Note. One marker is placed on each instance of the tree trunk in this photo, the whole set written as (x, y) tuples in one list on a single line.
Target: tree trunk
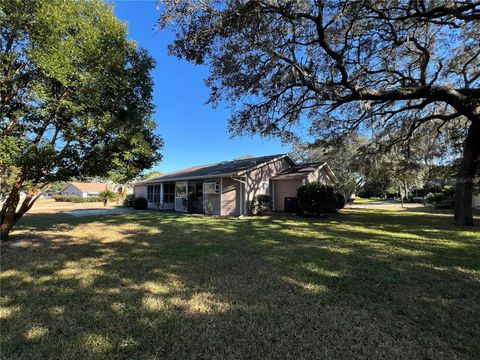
[(5, 229), (400, 194), (465, 177), (7, 219), (9, 214)]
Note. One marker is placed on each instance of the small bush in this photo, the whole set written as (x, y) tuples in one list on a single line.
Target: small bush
[(444, 199), (316, 198), (62, 198), (76, 199), (128, 201), (107, 195), (445, 204), (339, 200), (261, 204), (140, 203), (87, 199)]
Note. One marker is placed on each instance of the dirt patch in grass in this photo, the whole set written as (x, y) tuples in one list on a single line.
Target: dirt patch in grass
[(365, 284)]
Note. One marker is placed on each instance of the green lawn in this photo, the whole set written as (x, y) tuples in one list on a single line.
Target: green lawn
[(144, 285)]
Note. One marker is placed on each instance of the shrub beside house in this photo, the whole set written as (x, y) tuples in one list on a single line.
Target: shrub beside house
[(318, 199)]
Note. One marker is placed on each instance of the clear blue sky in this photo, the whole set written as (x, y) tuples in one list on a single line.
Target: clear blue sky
[(194, 133)]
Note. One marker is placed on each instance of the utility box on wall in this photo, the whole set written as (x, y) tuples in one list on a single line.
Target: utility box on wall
[(291, 205)]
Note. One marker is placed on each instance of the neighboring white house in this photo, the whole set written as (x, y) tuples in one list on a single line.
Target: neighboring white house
[(84, 189)]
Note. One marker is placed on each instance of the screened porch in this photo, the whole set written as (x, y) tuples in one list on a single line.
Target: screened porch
[(195, 196)]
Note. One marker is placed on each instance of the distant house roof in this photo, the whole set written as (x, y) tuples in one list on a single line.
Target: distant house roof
[(225, 168), (299, 171), (84, 186)]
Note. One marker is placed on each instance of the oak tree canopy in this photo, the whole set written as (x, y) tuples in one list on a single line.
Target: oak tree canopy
[(398, 66), (75, 100)]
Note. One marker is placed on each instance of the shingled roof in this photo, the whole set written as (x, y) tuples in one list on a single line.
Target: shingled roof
[(225, 168)]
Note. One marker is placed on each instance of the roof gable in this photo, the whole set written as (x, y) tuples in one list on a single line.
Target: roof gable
[(83, 186)]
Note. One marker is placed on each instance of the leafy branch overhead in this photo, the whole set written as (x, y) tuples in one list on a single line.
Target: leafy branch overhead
[(391, 67), (77, 89), (283, 59)]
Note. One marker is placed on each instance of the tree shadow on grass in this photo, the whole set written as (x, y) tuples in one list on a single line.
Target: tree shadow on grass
[(154, 285)]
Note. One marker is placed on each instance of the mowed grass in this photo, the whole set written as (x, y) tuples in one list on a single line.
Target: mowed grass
[(148, 285)]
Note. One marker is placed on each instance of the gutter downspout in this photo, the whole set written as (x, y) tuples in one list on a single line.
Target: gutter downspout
[(273, 194), (242, 195)]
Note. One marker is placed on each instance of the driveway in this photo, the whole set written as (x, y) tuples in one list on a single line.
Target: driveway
[(382, 204), (98, 212)]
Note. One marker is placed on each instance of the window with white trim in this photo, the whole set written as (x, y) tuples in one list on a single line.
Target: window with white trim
[(211, 187), (263, 186)]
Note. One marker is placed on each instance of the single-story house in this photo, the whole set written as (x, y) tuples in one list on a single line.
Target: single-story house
[(84, 189), (228, 188)]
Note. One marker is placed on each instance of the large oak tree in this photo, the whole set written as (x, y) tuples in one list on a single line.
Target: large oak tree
[(75, 100), (398, 66)]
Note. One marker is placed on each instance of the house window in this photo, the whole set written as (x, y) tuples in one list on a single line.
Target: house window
[(181, 189), (153, 193), (211, 187), (264, 187), (168, 193)]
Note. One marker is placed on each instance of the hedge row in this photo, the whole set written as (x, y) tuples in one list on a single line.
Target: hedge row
[(76, 199), (317, 199), (138, 203), (445, 199)]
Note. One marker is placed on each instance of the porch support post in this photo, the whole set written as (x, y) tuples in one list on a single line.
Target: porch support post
[(203, 196), (161, 195), (221, 195), (185, 209), (175, 196)]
